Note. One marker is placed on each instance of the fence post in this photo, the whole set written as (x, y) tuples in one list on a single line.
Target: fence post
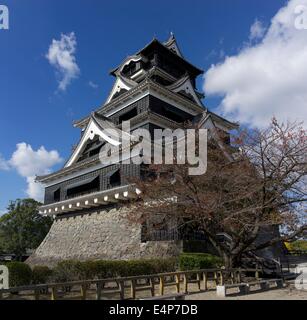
[(98, 290), (83, 291), (198, 280), (257, 273), (239, 276), (54, 293), (152, 284), (161, 285), (185, 283), (177, 283), (121, 285), (232, 277), (215, 278), (205, 279), (36, 294), (221, 281), (133, 292)]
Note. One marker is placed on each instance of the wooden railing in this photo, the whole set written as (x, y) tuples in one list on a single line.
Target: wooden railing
[(127, 287), (165, 235)]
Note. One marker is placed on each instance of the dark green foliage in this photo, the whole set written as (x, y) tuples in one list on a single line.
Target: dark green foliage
[(41, 275), (136, 268), (20, 274), (68, 270), (107, 269), (165, 265), (72, 270), (22, 228), (194, 261)]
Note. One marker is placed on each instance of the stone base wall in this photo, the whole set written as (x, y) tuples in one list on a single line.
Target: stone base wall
[(105, 234)]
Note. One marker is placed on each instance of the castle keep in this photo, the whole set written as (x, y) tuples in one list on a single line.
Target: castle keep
[(154, 88)]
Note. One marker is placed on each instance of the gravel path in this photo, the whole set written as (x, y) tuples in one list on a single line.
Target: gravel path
[(288, 293)]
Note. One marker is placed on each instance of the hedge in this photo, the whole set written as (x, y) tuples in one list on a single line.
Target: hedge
[(72, 270), (20, 274), (194, 261), (41, 275), (68, 270)]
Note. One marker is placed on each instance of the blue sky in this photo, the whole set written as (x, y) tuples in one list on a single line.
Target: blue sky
[(34, 111)]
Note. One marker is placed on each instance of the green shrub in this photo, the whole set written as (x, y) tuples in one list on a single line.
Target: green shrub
[(136, 268), (41, 275), (102, 269), (20, 274), (194, 261), (164, 265), (89, 270), (72, 270), (143, 267), (68, 270), (150, 266)]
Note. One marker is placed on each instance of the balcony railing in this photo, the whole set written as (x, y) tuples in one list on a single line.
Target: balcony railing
[(167, 235), (76, 195)]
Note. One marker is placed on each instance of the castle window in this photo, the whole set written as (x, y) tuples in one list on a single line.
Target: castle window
[(57, 195), (131, 68), (114, 179), (128, 115), (172, 115), (92, 148), (83, 187), (186, 95)]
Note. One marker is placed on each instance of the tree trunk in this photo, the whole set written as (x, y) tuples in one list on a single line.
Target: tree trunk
[(228, 260), (236, 260)]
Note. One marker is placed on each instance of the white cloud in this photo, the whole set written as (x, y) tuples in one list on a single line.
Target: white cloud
[(30, 163), (61, 55), (257, 30), (3, 164), (35, 190), (268, 78), (93, 85)]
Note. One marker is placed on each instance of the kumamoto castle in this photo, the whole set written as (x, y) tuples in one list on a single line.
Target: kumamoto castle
[(154, 89)]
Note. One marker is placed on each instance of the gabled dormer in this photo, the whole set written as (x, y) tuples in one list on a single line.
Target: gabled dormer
[(98, 131), (132, 68), (185, 88), (121, 85)]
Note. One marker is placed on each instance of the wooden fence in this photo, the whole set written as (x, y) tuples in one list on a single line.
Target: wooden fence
[(127, 287)]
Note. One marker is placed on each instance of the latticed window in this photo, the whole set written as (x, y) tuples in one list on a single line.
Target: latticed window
[(57, 195), (114, 179), (83, 187), (92, 148)]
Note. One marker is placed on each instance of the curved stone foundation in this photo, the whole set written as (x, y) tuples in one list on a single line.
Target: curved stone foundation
[(105, 234)]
